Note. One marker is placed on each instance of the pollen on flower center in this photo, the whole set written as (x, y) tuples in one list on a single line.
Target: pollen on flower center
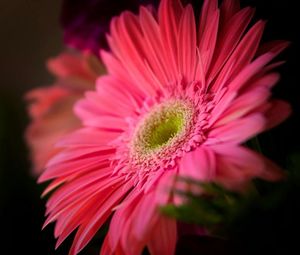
[(164, 126), (160, 132)]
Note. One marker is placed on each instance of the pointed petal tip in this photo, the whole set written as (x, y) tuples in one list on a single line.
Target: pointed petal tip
[(278, 113), (58, 243), (42, 178), (46, 223)]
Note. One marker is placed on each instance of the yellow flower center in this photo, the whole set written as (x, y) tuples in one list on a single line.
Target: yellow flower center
[(164, 125)]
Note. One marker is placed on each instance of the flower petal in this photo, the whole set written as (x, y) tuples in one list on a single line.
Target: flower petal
[(199, 164), (238, 131), (164, 237)]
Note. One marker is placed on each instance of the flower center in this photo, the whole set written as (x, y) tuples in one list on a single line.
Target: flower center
[(165, 125), (160, 132)]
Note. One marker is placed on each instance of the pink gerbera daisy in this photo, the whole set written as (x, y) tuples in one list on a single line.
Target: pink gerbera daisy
[(178, 100)]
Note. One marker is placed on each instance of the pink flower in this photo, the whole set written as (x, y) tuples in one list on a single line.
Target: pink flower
[(178, 100), (51, 108)]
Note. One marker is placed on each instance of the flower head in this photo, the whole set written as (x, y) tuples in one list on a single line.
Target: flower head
[(178, 100), (51, 108)]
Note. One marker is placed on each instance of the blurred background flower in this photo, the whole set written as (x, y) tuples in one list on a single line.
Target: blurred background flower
[(51, 107), (85, 23), (30, 34)]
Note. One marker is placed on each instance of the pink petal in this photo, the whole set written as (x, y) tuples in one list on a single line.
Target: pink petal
[(208, 9), (128, 55), (223, 100), (71, 189), (169, 14), (126, 97), (68, 65), (242, 55), (164, 237), (199, 164), (187, 44), (274, 46), (229, 8), (139, 224), (243, 105), (277, 113), (116, 69), (73, 211), (265, 81), (154, 47), (250, 71), (75, 153), (238, 164), (239, 130), (228, 39), (145, 215), (105, 249), (78, 166), (208, 39), (88, 137), (165, 185), (103, 122), (88, 229), (122, 214)]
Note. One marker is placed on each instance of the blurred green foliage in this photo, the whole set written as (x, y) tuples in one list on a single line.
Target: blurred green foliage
[(263, 220)]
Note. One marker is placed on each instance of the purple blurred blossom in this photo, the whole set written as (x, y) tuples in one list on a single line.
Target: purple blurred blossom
[(85, 22)]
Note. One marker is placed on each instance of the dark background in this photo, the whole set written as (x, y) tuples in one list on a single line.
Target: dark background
[(29, 34)]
